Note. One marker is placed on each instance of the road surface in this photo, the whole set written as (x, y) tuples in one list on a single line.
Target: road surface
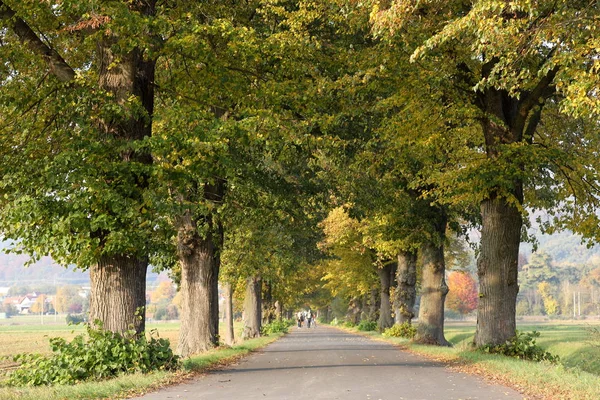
[(326, 363)]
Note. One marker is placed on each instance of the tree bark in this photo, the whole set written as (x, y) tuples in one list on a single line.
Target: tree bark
[(497, 271), (278, 310), (433, 283), (385, 307), (199, 273), (228, 294), (268, 307), (56, 64), (354, 310), (373, 302), (433, 294), (252, 308), (118, 295), (406, 291)]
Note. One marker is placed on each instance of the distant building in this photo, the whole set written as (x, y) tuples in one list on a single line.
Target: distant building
[(84, 291), (23, 303)]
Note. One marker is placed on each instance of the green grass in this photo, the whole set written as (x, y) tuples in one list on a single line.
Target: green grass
[(128, 385), (571, 342)]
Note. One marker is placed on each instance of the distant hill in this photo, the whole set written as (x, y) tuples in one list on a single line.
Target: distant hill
[(564, 248), (14, 273)]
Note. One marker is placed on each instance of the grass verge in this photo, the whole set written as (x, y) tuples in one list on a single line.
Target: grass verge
[(537, 380), (137, 384)]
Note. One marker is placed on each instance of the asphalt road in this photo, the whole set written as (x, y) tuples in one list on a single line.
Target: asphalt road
[(325, 363)]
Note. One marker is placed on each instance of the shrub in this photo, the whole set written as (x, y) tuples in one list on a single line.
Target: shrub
[(522, 346), (334, 322), (404, 330), (276, 327), (102, 354), (74, 319), (367, 325), (349, 324)]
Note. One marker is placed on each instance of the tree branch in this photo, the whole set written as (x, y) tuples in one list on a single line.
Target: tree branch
[(57, 65)]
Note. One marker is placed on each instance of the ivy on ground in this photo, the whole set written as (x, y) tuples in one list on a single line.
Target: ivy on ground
[(522, 346), (96, 354)]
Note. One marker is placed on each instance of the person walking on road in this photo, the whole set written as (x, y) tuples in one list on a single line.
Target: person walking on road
[(300, 318), (309, 317)]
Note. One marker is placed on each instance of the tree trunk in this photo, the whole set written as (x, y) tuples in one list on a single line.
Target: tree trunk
[(252, 308), (199, 272), (118, 296), (228, 294), (323, 314), (278, 310), (268, 308), (433, 290), (497, 271), (385, 307), (374, 305), (406, 291)]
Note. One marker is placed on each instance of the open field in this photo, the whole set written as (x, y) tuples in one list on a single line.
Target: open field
[(22, 334)]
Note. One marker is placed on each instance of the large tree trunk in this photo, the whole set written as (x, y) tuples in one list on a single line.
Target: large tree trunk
[(433, 283), (118, 296), (228, 312), (497, 271), (385, 307), (199, 272), (252, 308), (406, 291), (430, 329)]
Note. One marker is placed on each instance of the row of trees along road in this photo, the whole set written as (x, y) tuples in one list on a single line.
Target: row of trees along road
[(209, 138)]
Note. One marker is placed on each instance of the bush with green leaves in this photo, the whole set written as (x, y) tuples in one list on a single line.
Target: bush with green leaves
[(74, 319), (367, 326), (95, 354), (334, 322), (276, 327), (349, 324), (404, 330), (522, 346)]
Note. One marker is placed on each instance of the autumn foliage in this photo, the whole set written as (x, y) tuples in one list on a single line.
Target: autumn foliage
[(462, 296)]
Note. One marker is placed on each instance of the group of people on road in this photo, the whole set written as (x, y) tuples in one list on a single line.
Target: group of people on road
[(308, 316)]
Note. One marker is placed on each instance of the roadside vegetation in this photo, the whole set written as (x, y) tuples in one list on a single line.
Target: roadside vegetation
[(124, 384), (576, 376)]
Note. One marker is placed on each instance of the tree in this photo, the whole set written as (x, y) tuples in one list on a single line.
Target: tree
[(79, 197), (163, 293), (550, 303), (462, 295), (39, 306), (473, 46), (539, 269), (65, 296)]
